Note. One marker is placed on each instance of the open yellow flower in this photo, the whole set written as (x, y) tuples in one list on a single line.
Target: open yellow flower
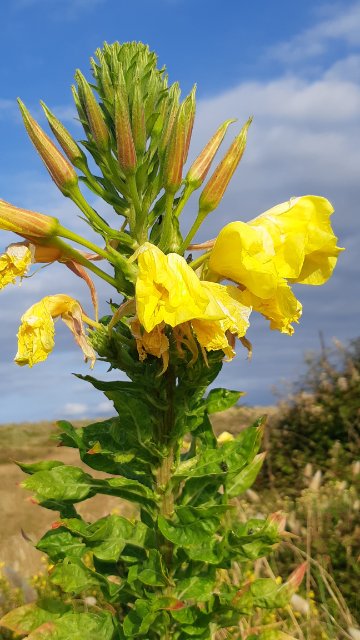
[(169, 292), (214, 334), (14, 263), (293, 241), (36, 333)]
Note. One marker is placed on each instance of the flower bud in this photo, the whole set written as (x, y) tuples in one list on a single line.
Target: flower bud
[(124, 138), (28, 224), (174, 159), (93, 113), (199, 169), (296, 577), (138, 120), (57, 165), (63, 137), (190, 108), (170, 117), (217, 185)]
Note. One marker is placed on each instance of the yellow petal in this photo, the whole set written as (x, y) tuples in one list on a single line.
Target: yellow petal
[(14, 263), (154, 343), (214, 334), (167, 289), (293, 240), (36, 333), (281, 309)]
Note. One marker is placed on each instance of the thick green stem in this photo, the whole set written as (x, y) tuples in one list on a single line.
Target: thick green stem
[(189, 189)]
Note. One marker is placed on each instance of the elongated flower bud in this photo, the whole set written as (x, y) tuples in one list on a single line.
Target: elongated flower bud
[(28, 224), (199, 169), (174, 159), (57, 165), (65, 140), (217, 185), (170, 117), (138, 120), (190, 108), (93, 112), (124, 137)]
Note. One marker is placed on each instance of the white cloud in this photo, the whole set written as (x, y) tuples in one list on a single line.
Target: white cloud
[(342, 24), (75, 409)]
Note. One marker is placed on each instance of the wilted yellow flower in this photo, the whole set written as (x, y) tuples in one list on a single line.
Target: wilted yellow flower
[(168, 290), (154, 343), (14, 263), (292, 241), (36, 333)]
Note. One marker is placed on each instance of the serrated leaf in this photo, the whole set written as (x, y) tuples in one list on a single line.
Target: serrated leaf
[(221, 399)]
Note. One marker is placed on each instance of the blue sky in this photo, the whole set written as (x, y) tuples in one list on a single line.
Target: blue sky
[(294, 66)]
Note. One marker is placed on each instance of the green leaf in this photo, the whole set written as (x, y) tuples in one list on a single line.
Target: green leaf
[(60, 483), (230, 457), (77, 626), (222, 399), (195, 588), (187, 535), (43, 465), (140, 618), (109, 536), (152, 571), (128, 489), (75, 577), (240, 482), (24, 619), (59, 544)]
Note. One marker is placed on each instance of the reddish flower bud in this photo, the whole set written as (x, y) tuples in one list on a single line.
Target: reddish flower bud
[(199, 169), (124, 138), (296, 577), (57, 165), (63, 137), (174, 159), (93, 113), (27, 224), (216, 187)]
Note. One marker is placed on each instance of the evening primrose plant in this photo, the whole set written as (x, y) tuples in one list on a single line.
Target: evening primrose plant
[(174, 317)]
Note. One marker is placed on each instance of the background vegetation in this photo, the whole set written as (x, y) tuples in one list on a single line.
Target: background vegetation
[(312, 472)]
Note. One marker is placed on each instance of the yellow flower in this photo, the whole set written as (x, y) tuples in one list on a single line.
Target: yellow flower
[(216, 334), (168, 290), (293, 241), (36, 333), (14, 263), (281, 309)]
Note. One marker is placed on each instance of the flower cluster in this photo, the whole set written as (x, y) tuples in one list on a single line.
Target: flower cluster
[(202, 304)]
